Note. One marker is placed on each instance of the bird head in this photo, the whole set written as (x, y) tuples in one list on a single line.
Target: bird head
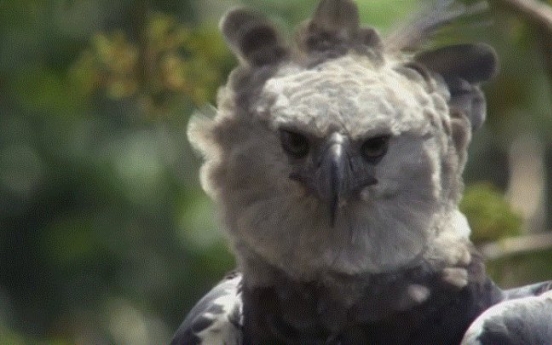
[(342, 152)]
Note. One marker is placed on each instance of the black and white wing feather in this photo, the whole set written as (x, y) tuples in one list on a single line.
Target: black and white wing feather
[(216, 319), (525, 317)]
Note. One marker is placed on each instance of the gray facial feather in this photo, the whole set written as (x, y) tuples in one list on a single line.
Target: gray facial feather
[(335, 23), (253, 38), (462, 67), (409, 214)]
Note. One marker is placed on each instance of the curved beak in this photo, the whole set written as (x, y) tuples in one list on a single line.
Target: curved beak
[(332, 177), (335, 179), (336, 174)]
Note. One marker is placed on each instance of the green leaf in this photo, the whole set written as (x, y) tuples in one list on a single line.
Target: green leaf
[(489, 214)]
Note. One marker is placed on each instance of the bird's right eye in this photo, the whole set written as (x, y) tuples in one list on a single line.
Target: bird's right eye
[(295, 144), (374, 149)]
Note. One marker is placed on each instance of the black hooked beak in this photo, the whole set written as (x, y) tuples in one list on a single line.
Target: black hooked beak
[(335, 177)]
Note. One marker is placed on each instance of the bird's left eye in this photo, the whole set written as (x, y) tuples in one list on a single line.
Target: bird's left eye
[(295, 144), (374, 149)]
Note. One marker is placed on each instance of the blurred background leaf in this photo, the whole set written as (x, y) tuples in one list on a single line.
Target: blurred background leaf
[(105, 234), (489, 214)]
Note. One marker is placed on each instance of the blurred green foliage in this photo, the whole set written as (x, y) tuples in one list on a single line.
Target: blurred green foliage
[(490, 216), (170, 61), (105, 235)]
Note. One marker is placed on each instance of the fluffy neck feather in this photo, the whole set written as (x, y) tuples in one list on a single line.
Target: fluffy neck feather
[(448, 249)]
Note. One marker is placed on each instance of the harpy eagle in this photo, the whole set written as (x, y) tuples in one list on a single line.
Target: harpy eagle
[(336, 163)]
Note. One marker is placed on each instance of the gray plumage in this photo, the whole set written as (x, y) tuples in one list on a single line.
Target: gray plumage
[(216, 318), (523, 320), (336, 164)]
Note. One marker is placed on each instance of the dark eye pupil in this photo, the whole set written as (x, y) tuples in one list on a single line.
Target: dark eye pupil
[(374, 149), (295, 144)]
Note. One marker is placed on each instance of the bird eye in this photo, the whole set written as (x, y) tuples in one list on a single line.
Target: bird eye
[(374, 149), (295, 144)]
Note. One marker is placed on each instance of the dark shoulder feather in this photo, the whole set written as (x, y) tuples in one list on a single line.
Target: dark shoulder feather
[(216, 318)]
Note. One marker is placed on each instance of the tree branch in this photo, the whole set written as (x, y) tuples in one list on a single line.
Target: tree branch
[(533, 11), (517, 245)]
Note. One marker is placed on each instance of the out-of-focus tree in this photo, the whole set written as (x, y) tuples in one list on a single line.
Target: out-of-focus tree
[(171, 64), (104, 234)]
